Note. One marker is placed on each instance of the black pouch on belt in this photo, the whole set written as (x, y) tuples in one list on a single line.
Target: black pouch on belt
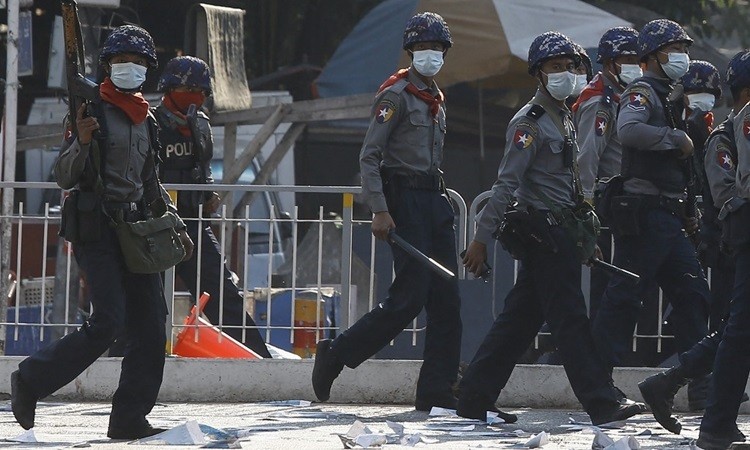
[(81, 217), (626, 214)]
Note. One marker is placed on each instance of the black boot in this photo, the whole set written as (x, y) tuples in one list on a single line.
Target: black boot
[(698, 393), (474, 407), (327, 367), (658, 392)]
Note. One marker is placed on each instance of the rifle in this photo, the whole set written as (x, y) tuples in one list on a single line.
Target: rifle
[(199, 172), (80, 89)]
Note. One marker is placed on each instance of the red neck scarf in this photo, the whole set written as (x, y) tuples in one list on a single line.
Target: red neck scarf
[(596, 87), (425, 96), (133, 105), (182, 125)]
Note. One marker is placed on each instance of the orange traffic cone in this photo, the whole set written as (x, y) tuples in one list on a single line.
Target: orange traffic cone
[(200, 339)]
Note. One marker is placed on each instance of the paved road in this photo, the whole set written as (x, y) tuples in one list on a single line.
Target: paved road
[(268, 426)]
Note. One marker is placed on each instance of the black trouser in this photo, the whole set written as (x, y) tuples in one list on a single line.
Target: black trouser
[(424, 218), (214, 272), (125, 305), (548, 288)]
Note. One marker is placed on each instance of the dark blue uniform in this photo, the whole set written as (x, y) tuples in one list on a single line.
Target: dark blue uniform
[(182, 163)]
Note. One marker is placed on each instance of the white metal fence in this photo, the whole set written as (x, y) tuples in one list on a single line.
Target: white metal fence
[(277, 256)]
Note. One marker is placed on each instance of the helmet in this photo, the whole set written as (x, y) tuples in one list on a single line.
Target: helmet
[(129, 39), (738, 72), (585, 59), (658, 33), (617, 41), (702, 76), (185, 71), (548, 45), (427, 26)]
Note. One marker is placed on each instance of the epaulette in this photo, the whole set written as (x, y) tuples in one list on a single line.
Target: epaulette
[(607, 95), (397, 87), (535, 112)]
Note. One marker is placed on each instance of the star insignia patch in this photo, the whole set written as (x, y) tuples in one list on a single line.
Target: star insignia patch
[(522, 139), (725, 161), (600, 123), (384, 111), (746, 127)]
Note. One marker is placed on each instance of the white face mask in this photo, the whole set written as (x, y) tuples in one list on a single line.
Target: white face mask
[(127, 75), (580, 84), (677, 66), (427, 62), (560, 85), (702, 101), (628, 73)]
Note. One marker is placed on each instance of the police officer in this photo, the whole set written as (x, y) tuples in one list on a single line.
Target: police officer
[(125, 304), (539, 170), (702, 85), (732, 364), (650, 220), (584, 73), (186, 81), (400, 166), (594, 114)]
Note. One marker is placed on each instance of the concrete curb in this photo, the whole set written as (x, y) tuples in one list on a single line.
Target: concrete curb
[(375, 381)]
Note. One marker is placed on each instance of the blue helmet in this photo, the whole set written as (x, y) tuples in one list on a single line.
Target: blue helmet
[(185, 71), (702, 76), (549, 45), (617, 41), (738, 71), (427, 26), (129, 39), (658, 33)]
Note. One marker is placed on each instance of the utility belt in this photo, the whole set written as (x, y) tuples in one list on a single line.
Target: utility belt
[(627, 211), (131, 211), (525, 229), (413, 181)]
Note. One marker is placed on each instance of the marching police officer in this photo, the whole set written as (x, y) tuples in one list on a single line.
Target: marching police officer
[(126, 305), (584, 72), (186, 158), (726, 154), (539, 170), (400, 166), (650, 219), (594, 114), (702, 85)]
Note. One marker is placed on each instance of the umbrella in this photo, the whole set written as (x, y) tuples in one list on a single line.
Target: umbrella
[(491, 41)]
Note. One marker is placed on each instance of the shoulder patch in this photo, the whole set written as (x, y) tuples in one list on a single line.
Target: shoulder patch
[(524, 135), (746, 126), (384, 111), (724, 157), (637, 98), (601, 122)]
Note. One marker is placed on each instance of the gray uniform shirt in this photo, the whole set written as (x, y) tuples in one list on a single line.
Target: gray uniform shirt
[(128, 167), (721, 168), (742, 138), (642, 125), (600, 148), (533, 154), (403, 137)]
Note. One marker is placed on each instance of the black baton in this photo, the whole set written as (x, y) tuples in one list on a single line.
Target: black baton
[(419, 256), (614, 269)]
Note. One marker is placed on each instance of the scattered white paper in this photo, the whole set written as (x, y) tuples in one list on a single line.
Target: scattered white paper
[(438, 411), (626, 443), (538, 440), (357, 429), (395, 426), (601, 440), (25, 437), (443, 427), (187, 434), (289, 403)]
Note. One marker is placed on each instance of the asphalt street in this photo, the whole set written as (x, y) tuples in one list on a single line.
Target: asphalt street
[(318, 426)]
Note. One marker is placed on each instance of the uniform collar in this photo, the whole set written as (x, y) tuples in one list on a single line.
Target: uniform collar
[(607, 82), (656, 76), (414, 79), (543, 99)]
